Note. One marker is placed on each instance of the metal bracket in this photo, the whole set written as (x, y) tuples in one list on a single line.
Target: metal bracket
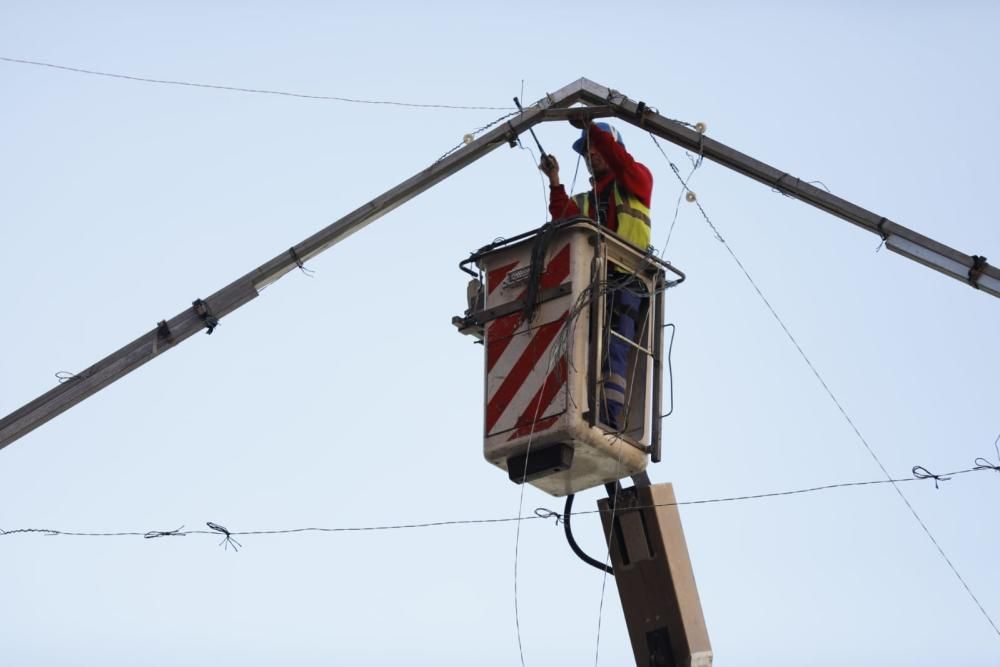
[(512, 137), (163, 331), (641, 479), (202, 310), (979, 265), (880, 229), (640, 114), (481, 317)]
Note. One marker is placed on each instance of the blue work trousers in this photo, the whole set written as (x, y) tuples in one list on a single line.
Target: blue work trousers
[(623, 305)]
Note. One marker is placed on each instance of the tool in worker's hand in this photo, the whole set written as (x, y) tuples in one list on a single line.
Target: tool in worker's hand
[(544, 158)]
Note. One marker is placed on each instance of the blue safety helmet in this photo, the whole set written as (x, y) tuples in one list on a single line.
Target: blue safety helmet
[(580, 145)]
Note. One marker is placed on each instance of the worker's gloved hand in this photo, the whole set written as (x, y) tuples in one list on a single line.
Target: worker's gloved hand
[(579, 122), (550, 167)]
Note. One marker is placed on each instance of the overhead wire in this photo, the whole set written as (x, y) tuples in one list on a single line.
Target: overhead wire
[(630, 387), (670, 367), (625, 285), (520, 505), (215, 529), (829, 392), (626, 407), (604, 576), (474, 133), (540, 513), (695, 164), (263, 91), (563, 343), (562, 348), (677, 205), (541, 176), (257, 91), (527, 314)]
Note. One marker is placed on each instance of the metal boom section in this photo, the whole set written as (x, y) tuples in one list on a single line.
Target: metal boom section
[(597, 101)]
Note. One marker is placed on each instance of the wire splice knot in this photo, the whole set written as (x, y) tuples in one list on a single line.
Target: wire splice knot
[(545, 513), (309, 273), (984, 464), (880, 230), (921, 472), (228, 538), (65, 376), (153, 534)]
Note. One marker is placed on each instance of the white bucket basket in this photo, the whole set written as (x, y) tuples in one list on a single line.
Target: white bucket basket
[(541, 315)]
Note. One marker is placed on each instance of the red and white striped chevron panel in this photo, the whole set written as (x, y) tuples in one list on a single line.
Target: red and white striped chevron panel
[(525, 369)]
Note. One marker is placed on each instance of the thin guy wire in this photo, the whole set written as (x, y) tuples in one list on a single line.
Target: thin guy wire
[(604, 575), (630, 387), (527, 454), (237, 89), (677, 206), (836, 402), (607, 553), (607, 558), (576, 172), (541, 176), (614, 501), (520, 502), (531, 435), (466, 522), (280, 531), (670, 367)]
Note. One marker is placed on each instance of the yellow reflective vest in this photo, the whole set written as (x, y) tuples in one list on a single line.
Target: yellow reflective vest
[(632, 215)]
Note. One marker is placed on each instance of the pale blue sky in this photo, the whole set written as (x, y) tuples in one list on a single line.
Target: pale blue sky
[(349, 400)]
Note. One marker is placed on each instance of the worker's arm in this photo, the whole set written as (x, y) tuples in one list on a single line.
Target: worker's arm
[(560, 204), (635, 177)]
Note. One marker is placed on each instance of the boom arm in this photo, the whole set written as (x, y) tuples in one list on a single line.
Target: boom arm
[(602, 102)]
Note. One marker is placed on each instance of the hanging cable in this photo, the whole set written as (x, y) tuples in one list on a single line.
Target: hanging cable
[(670, 367), (540, 513), (567, 513), (237, 89), (520, 508)]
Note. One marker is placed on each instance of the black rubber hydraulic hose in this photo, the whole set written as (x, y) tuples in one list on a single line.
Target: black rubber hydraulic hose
[(576, 547)]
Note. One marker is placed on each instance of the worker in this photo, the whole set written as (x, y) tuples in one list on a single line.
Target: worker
[(619, 199)]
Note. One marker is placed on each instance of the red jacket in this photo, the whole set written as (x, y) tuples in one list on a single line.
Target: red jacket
[(631, 176)]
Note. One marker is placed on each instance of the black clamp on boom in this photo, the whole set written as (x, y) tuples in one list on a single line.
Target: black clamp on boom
[(979, 265), (640, 114), (163, 331), (202, 310), (880, 229), (511, 136)]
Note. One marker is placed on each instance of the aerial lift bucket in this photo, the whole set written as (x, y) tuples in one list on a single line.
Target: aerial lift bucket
[(540, 305)]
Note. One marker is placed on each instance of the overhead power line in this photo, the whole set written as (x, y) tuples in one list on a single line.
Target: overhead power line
[(256, 91), (919, 474)]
